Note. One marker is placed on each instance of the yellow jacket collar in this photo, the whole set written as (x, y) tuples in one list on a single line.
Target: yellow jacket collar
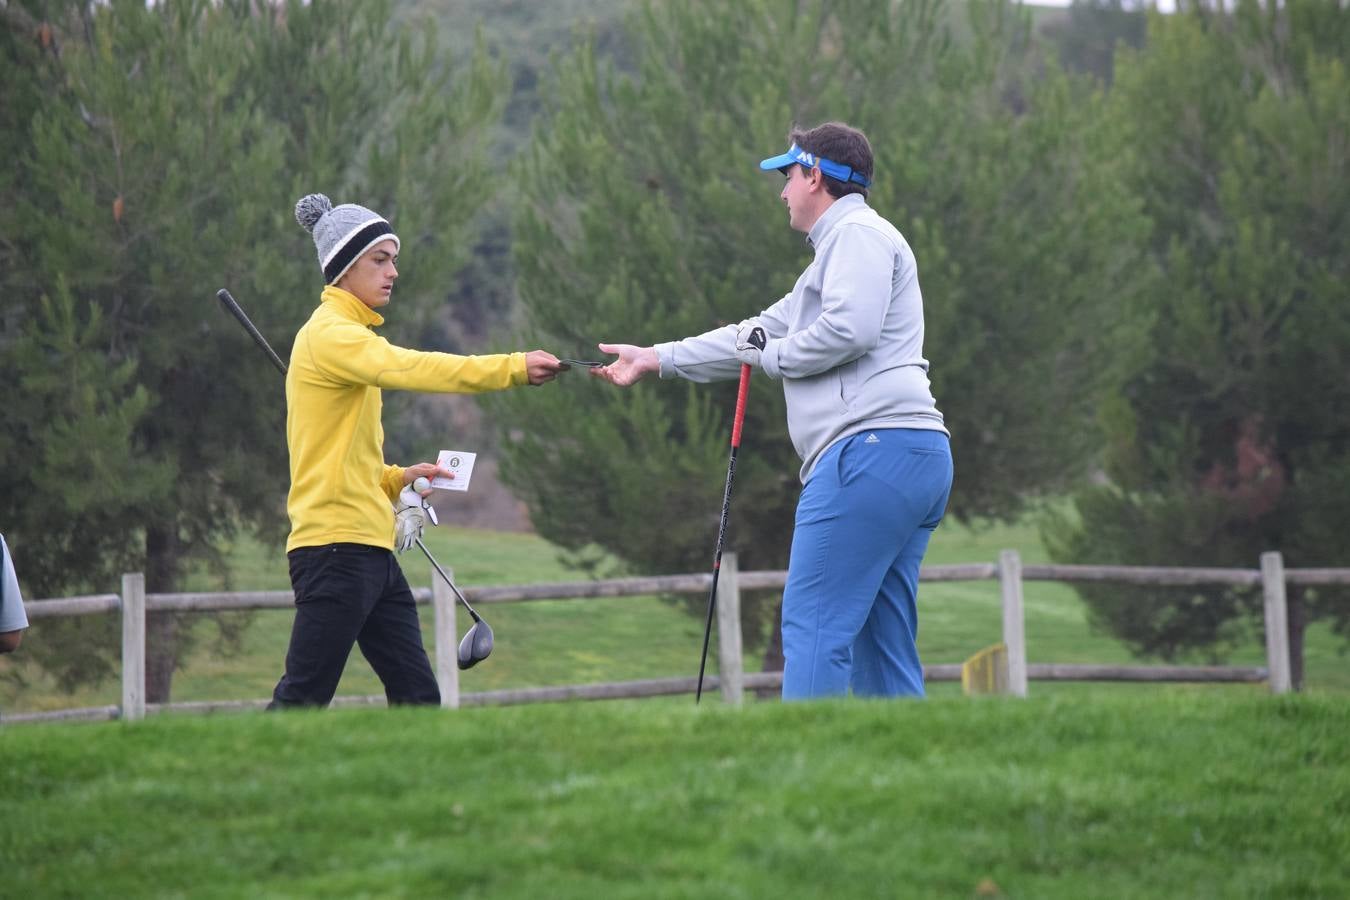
[(350, 306)]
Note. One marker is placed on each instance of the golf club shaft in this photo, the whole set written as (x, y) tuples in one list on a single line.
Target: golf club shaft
[(472, 614), (737, 422), (235, 310)]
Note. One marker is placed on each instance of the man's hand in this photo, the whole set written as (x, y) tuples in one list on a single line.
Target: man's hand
[(429, 471), (633, 363), (412, 509), (750, 343), (542, 366), (409, 520)]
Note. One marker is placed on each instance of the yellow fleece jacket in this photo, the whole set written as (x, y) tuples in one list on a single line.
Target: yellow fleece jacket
[(341, 489)]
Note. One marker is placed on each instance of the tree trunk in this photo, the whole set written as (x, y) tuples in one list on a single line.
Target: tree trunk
[(1297, 618), (773, 653), (161, 655), (161, 628)]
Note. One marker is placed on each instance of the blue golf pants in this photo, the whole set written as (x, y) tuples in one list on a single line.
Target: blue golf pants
[(863, 522)]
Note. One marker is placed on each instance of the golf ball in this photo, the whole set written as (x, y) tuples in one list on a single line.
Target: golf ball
[(421, 484)]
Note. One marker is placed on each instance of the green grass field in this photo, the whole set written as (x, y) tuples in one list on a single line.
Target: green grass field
[(1079, 791), (579, 641), (1102, 795)]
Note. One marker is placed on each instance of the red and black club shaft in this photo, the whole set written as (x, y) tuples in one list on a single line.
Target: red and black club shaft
[(757, 339)]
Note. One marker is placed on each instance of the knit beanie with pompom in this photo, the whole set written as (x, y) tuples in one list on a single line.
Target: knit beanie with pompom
[(341, 233)]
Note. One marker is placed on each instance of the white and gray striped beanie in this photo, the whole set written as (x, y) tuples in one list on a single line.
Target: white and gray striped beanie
[(341, 233)]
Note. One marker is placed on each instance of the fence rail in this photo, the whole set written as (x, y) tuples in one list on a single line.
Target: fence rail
[(133, 604)]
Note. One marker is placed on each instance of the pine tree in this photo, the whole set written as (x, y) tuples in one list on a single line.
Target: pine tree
[(165, 149), (643, 217), (1230, 436), (1088, 35)]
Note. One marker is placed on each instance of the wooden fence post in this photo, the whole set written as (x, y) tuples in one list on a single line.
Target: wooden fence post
[(133, 646), (730, 670), (1014, 626), (447, 642), (1277, 622)]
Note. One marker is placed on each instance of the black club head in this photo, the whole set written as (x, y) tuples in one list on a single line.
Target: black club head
[(476, 645)]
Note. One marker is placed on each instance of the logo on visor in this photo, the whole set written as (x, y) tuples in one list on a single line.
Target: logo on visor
[(796, 155)]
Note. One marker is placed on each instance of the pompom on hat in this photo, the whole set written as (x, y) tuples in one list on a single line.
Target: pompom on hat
[(341, 233)]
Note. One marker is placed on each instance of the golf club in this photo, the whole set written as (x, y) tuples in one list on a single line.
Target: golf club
[(757, 339), (477, 643)]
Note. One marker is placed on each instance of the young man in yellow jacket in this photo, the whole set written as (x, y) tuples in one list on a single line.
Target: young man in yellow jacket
[(349, 588)]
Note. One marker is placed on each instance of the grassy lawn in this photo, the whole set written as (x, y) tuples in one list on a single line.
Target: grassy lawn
[(576, 641), (1107, 795)]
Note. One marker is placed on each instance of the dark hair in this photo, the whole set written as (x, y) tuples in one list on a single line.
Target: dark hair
[(839, 143)]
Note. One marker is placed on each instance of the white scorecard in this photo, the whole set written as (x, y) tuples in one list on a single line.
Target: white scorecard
[(461, 463)]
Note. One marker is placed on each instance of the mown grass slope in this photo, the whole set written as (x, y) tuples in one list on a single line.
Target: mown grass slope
[(1101, 795)]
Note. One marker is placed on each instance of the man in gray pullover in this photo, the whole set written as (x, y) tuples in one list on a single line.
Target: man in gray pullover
[(847, 343)]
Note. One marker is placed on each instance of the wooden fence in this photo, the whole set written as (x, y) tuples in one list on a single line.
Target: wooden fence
[(732, 680)]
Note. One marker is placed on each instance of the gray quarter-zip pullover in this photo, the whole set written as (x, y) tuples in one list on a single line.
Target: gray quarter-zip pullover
[(847, 343)]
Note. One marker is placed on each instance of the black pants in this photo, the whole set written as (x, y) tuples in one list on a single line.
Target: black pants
[(345, 594)]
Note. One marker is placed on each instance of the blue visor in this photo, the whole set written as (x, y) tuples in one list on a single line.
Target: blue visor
[(797, 156)]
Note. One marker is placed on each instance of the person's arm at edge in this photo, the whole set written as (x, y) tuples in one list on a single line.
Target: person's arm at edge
[(14, 619)]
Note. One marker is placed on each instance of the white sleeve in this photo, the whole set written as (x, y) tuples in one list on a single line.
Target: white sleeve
[(711, 356), (12, 615)]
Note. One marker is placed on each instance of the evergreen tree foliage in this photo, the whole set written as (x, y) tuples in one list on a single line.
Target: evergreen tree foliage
[(1087, 38), (162, 149), (1232, 433), (643, 217)]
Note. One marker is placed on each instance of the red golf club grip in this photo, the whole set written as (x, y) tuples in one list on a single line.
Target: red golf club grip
[(740, 405)]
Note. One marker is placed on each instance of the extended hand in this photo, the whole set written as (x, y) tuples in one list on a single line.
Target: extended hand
[(542, 366), (633, 363)]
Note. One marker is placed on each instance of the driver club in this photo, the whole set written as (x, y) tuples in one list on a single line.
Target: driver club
[(477, 642)]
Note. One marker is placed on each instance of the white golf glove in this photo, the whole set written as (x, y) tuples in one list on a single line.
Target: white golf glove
[(750, 342), (411, 516)]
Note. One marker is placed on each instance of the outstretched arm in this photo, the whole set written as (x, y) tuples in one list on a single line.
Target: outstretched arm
[(352, 354), (710, 356)]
